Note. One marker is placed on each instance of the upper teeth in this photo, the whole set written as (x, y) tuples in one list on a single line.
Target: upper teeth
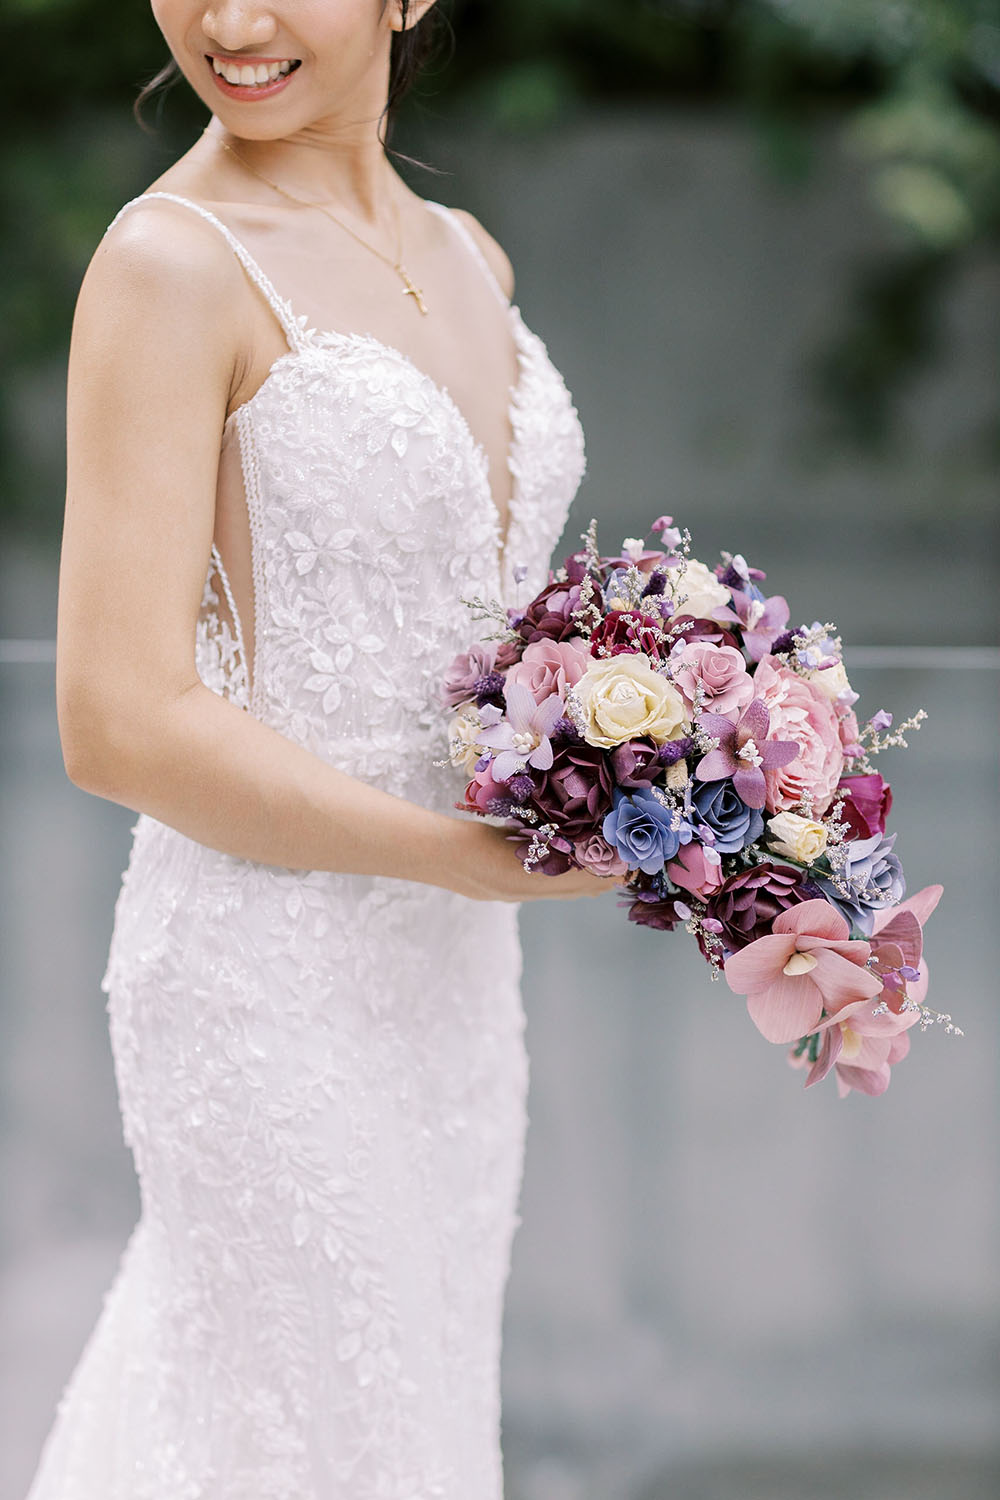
[(245, 74)]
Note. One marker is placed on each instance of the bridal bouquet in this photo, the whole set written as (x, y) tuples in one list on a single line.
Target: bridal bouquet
[(649, 718)]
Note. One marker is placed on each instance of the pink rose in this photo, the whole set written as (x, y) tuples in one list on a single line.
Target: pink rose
[(849, 731), (720, 672), (800, 712), (596, 855), (696, 869), (484, 789), (549, 667)]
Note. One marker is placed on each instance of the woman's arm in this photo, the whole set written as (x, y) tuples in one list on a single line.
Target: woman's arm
[(156, 353)]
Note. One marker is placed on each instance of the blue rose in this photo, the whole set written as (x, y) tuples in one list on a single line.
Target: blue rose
[(874, 877), (721, 809), (645, 833)]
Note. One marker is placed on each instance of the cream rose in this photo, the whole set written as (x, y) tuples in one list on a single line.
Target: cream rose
[(622, 698), (704, 591), (796, 837), (833, 684), (463, 751)]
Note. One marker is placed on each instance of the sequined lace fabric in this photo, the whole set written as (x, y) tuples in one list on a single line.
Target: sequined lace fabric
[(323, 1077)]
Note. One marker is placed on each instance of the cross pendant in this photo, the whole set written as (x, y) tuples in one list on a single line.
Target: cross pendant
[(410, 290)]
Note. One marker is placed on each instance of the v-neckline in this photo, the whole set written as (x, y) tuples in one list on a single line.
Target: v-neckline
[(313, 338)]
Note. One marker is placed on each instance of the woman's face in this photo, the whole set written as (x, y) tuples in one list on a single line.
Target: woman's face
[(273, 68)]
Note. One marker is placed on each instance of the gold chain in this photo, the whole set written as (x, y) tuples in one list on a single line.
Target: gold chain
[(410, 289)]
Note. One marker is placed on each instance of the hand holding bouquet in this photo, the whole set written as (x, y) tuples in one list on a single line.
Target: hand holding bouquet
[(650, 718)]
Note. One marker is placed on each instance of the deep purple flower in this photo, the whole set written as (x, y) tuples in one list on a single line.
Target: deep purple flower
[(744, 752), (489, 689), (746, 904), (644, 831), (731, 823), (660, 913), (636, 763), (549, 615), (575, 793)]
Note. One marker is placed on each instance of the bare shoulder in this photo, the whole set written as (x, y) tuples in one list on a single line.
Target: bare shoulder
[(162, 260), (495, 255)]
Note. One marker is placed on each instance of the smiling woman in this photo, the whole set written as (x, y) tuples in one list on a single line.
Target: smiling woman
[(275, 501)]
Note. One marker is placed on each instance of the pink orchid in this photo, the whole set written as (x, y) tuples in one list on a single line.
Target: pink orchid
[(805, 965), (860, 1041), (744, 752), (762, 621), (521, 734)]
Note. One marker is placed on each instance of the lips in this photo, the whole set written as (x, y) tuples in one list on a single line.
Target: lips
[(252, 77)]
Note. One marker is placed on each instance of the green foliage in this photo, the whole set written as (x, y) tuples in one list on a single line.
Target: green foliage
[(915, 82)]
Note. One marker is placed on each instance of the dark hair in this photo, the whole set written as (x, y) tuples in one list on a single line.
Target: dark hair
[(412, 47)]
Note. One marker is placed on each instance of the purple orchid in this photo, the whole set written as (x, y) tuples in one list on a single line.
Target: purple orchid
[(744, 752), (521, 735), (761, 620)]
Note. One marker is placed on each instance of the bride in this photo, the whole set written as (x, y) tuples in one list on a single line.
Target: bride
[(304, 420)]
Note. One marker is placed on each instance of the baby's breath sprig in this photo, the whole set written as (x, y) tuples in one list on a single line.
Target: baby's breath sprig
[(538, 849), (589, 540), (875, 742), (491, 609), (587, 615)]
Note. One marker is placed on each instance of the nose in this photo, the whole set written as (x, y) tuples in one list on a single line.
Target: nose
[(235, 24)]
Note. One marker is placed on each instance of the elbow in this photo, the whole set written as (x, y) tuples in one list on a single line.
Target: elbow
[(95, 751)]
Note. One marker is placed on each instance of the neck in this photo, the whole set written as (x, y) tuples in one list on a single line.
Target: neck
[(345, 167)]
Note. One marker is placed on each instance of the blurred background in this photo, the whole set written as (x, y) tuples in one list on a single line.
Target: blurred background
[(761, 242)]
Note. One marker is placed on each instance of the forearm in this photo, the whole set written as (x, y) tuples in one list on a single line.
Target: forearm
[(209, 769)]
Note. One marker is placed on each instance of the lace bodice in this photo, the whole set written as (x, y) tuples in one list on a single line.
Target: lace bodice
[(361, 478), (323, 1077)]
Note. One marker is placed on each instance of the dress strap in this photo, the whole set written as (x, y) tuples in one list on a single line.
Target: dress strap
[(470, 244), (291, 326)]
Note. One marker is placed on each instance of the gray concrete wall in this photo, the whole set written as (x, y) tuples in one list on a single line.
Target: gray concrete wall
[(722, 1287)]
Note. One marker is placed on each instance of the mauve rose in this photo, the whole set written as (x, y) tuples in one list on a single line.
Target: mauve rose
[(801, 713), (459, 685), (695, 870), (596, 855), (549, 667), (867, 803), (548, 616), (719, 671), (576, 793), (747, 903), (627, 630)]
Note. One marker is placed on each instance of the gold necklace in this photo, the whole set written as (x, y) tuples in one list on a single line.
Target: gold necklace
[(410, 289)]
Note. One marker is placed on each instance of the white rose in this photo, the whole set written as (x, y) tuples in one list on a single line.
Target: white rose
[(463, 750), (832, 683), (622, 698), (796, 838), (704, 591)]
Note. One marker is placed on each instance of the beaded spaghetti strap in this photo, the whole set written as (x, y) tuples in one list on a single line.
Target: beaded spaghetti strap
[(470, 244), (291, 326)]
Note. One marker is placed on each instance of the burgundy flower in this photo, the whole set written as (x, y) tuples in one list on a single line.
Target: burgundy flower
[(549, 615), (627, 630), (508, 652), (636, 763), (745, 905), (867, 801), (575, 793)]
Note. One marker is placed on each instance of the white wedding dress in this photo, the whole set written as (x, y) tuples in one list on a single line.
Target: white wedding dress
[(323, 1077)]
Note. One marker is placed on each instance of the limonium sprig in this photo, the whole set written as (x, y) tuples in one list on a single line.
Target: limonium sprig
[(657, 722)]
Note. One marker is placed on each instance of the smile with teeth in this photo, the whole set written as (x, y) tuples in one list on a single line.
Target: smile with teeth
[(247, 75)]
